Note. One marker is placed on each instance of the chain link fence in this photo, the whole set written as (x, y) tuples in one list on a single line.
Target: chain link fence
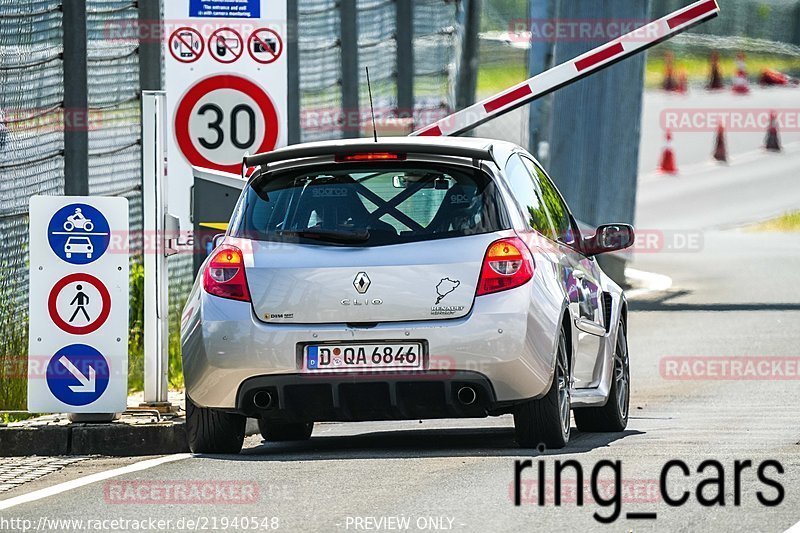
[(774, 20), (32, 115), (323, 115)]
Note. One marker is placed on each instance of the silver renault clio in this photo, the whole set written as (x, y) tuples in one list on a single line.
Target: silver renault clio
[(410, 278)]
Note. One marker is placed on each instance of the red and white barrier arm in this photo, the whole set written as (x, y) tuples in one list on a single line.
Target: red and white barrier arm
[(601, 57)]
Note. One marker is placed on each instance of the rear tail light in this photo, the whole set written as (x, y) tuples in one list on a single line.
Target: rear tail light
[(224, 274), (508, 264)]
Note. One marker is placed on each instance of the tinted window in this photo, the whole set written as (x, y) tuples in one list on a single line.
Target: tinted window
[(527, 195), (555, 205), (368, 205)]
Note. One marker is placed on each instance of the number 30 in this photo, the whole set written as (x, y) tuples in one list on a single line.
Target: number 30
[(216, 126)]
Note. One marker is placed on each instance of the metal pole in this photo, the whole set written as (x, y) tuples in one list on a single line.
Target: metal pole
[(541, 58), (405, 58), (76, 100), (350, 74), (156, 305), (469, 16), (150, 45), (293, 60)]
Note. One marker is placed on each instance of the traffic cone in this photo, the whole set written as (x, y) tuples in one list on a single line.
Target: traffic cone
[(773, 142), (668, 165), (669, 83), (720, 148), (683, 82), (740, 83), (773, 77), (715, 80)]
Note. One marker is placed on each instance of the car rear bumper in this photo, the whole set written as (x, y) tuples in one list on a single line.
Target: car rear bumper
[(502, 343), (374, 396)]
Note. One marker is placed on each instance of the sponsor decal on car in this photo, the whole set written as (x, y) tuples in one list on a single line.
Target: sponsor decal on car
[(279, 316), (446, 310)]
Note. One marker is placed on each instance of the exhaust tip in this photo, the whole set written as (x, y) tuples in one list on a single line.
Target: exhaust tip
[(262, 399), (467, 395)]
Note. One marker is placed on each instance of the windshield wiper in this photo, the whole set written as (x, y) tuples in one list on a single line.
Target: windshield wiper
[(328, 235)]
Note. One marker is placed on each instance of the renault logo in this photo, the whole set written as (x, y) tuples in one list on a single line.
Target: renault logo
[(362, 282)]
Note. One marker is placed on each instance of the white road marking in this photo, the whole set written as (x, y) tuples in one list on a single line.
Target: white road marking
[(87, 480), (650, 282)]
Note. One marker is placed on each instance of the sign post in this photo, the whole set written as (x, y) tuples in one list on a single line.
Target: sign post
[(157, 248), (78, 305)]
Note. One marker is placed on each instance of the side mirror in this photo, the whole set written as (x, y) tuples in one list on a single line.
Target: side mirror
[(609, 238)]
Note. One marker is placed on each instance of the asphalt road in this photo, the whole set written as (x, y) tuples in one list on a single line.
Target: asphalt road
[(734, 295)]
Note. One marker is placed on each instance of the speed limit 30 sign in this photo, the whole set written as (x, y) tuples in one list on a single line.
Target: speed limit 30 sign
[(226, 79), (222, 117)]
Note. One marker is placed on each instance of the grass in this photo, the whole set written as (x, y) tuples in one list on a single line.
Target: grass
[(13, 349), (136, 337), (498, 75), (136, 329), (697, 67), (790, 222), (495, 77)]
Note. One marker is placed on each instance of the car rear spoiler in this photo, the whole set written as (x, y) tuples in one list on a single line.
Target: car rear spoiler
[(350, 148)]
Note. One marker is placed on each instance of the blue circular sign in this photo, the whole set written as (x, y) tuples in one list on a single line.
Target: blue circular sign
[(78, 375), (79, 234)]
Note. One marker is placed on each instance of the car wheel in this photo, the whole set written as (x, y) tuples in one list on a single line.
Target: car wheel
[(613, 416), (273, 431), (69, 256), (546, 421), (213, 431)]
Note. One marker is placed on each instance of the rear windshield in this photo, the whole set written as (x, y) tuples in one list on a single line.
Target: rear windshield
[(369, 205)]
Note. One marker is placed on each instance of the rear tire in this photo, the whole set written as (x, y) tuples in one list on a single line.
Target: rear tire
[(283, 432), (213, 431), (613, 416), (547, 421)]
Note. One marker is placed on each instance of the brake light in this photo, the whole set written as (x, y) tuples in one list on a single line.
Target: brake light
[(371, 156), (224, 274), (508, 264)]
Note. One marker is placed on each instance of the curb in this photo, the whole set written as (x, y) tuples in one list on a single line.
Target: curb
[(114, 439)]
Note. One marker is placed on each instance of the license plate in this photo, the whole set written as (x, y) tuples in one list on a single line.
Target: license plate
[(354, 357)]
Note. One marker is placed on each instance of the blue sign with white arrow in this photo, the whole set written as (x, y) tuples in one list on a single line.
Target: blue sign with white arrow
[(79, 234), (78, 375)]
